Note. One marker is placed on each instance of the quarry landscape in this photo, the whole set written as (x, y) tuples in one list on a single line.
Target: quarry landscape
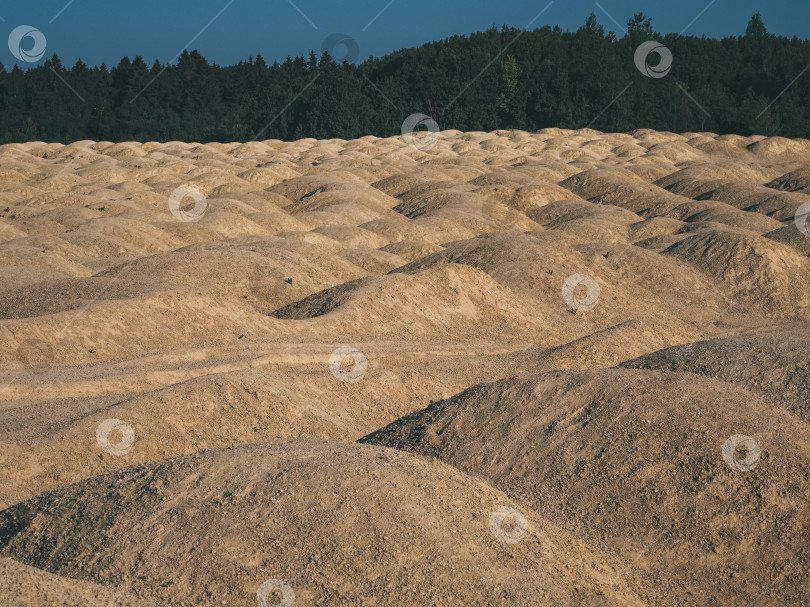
[(564, 367)]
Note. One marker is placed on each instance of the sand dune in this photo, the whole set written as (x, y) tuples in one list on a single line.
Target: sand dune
[(575, 323)]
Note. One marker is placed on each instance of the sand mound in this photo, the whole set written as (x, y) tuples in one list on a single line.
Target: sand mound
[(789, 235), (775, 148), (537, 266), (635, 458), (437, 302), (604, 348), (714, 212), (621, 187), (794, 181), (767, 277), (337, 524), (771, 362)]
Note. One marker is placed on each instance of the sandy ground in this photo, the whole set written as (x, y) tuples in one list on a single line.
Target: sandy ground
[(575, 362)]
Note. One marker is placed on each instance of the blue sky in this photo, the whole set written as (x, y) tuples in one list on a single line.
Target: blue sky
[(106, 30)]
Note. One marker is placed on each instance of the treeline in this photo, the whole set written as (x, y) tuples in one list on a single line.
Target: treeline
[(545, 77)]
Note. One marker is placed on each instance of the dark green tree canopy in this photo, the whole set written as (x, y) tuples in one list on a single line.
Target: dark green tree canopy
[(500, 78)]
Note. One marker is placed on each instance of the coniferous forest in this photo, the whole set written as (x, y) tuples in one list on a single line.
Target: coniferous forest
[(540, 78)]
